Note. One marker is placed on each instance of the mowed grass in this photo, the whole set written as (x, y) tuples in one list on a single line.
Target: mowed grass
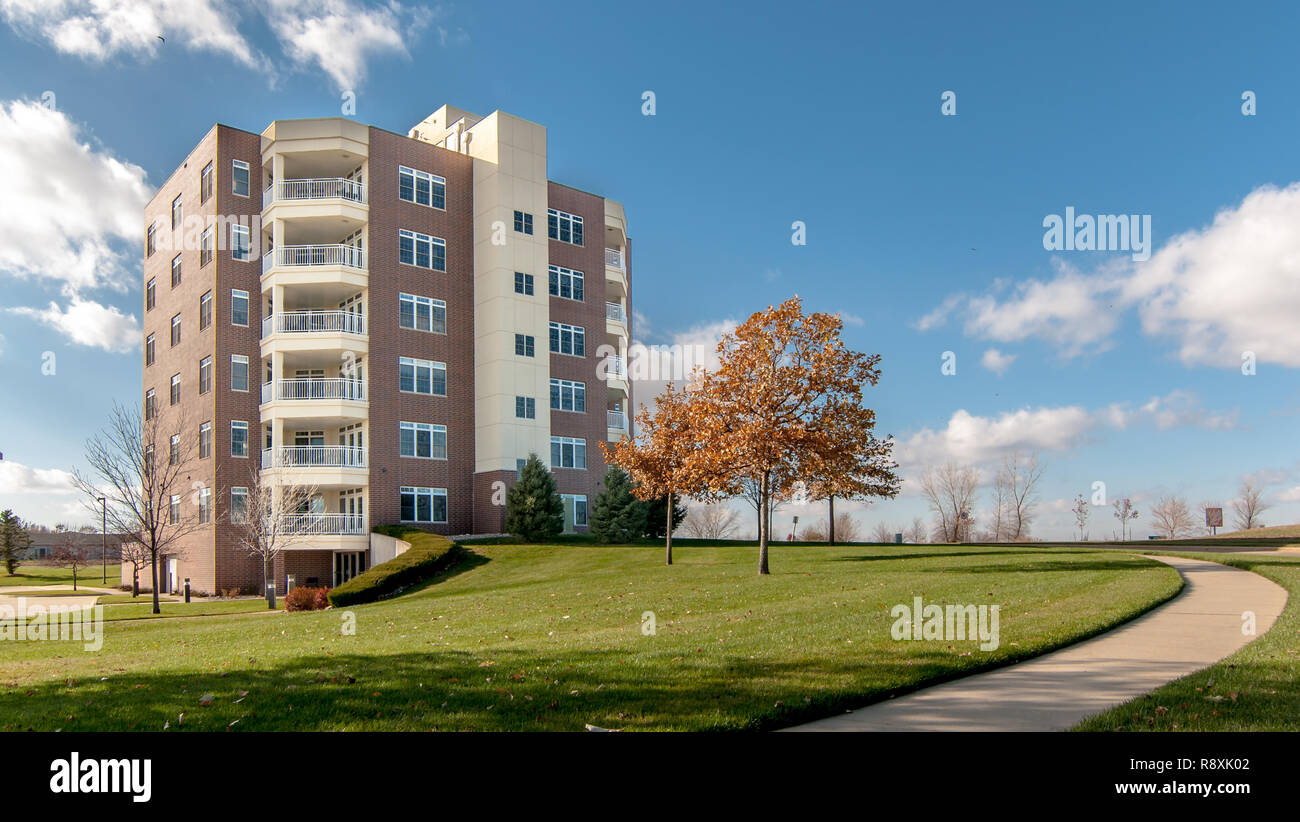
[(32, 575), (551, 637), (1255, 689)]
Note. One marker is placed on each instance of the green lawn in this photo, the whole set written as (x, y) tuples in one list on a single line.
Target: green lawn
[(32, 575), (550, 637), (1255, 689)]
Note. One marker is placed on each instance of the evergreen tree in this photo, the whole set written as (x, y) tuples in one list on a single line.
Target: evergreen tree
[(534, 509), (657, 515), (617, 516), (14, 541)]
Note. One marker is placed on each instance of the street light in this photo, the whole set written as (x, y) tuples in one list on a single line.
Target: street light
[(795, 530), (103, 538)]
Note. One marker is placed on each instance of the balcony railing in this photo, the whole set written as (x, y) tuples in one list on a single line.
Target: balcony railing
[(314, 322), (314, 388), (614, 311), (616, 367), (615, 419), (301, 255), (325, 524), (314, 456), (325, 188), (614, 258)]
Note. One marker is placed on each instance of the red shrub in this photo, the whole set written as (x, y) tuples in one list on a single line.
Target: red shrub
[(306, 599)]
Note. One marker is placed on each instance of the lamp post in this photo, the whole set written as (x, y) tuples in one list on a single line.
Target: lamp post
[(795, 530), (103, 538)]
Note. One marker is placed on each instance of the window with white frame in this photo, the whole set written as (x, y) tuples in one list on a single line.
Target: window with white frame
[(205, 374), (422, 440), (205, 505), (174, 509), (176, 390), (565, 227), (149, 350), (205, 310), (238, 307), (422, 313), (523, 222), (205, 440), (240, 242), (205, 247), (566, 283), (174, 450), (422, 376), (205, 183), (150, 405), (421, 187), (176, 270), (176, 330), (151, 240), (568, 339), (150, 295), (238, 505), (577, 504), (238, 438), (423, 504), (567, 395), (523, 283), (421, 250), (526, 408), (239, 177), (525, 345), (238, 372), (568, 452)]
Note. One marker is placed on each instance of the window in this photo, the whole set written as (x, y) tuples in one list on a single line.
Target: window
[(148, 460), (422, 313), (238, 307), (567, 452), (567, 228), (205, 183), (239, 177), (176, 389), (205, 505), (176, 329), (523, 222), (238, 505), (523, 345), (174, 450), (566, 283), (205, 375), (578, 504), (205, 310), (526, 408), (238, 438), (148, 350), (205, 440), (151, 240), (174, 509), (240, 242), (238, 372), (568, 396), (422, 377), (150, 405), (178, 213), (149, 295), (421, 250), (205, 247), (523, 283), (421, 187), (176, 270), (423, 441), (424, 504), (568, 339)]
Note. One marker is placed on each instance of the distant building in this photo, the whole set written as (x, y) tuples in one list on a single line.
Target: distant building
[(45, 543)]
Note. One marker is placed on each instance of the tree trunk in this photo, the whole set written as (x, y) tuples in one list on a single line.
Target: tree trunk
[(669, 544), (135, 582), (831, 527), (268, 578), (154, 566), (764, 536)]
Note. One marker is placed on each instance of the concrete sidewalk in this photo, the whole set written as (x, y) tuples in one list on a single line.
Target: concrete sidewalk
[(1056, 691)]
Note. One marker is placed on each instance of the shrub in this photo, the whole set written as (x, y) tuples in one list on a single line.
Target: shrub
[(617, 516), (306, 599), (428, 554), (534, 509)]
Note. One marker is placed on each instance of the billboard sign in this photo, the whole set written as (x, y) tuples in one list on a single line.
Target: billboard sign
[(1213, 517)]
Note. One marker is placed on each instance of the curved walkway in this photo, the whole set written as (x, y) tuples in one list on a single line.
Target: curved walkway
[(1056, 691)]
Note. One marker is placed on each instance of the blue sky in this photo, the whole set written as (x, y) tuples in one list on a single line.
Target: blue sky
[(924, 230)]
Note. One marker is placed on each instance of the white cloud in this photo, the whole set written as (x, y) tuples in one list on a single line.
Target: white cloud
[(66, 202), (997, 362), (852, 319), (89, 323), (1290, 495), (339, 36), (16, 478)]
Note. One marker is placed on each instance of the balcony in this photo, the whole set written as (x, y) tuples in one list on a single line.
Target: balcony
[(326, 524), (293, 256), (314, 322), (614, 258), (615, 313), (314, 456), (314, 388), (323, 188), (615, 420)]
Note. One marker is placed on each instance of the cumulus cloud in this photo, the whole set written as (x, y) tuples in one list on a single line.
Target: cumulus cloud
[(16, 478), (89, 323), (997, 362), (340, 36)]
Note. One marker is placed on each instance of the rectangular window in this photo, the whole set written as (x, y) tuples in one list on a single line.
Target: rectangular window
[(205, 505), (176, 389), (565, 227), (205, 440), (205, 247), (205, 310), (150, 405), (148, 350), (579, 503), (566, 283), (568, 339), (150, 295), (240, 242), (205, 183), (568, 452), (421, 187), (174, 450), (238, 372), (422, 376), (523, 283), (205, 375), (423, 441), (238, 307), (178, 213), (239, 177), (238, 438), (148, 460), (176, 329), (174, 509), (151, 240), (176, 270), (422, 313), (424, 504), (421, 250), (526, 408), (238, 505), (568, 396), (524, 345), (523, 222)]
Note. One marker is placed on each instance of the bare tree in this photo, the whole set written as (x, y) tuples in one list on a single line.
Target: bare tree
[(71, 555), (1021, 474), (1124, 511), (135, 554), (134, 469), (814, 532), (999, 517), (1081, 510), (1248, 506), (1172, 518), (711, 522), (950, 490), (273, 516), (916, 533), (882, 533), (846, 527)]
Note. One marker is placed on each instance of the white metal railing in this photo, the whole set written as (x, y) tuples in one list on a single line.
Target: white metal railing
[(614, 258), (314, 456), (615, 419), (337, 254), (322, 188), (616, 367), (614, 311), (314, 388), (308, 322), (325, 524)]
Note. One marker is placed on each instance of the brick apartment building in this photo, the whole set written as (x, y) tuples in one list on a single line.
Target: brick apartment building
[(397, 321)]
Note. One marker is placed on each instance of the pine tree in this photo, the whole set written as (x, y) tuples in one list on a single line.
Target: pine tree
[(534, 509), (617, 516), (657, 515), (14, 541)]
